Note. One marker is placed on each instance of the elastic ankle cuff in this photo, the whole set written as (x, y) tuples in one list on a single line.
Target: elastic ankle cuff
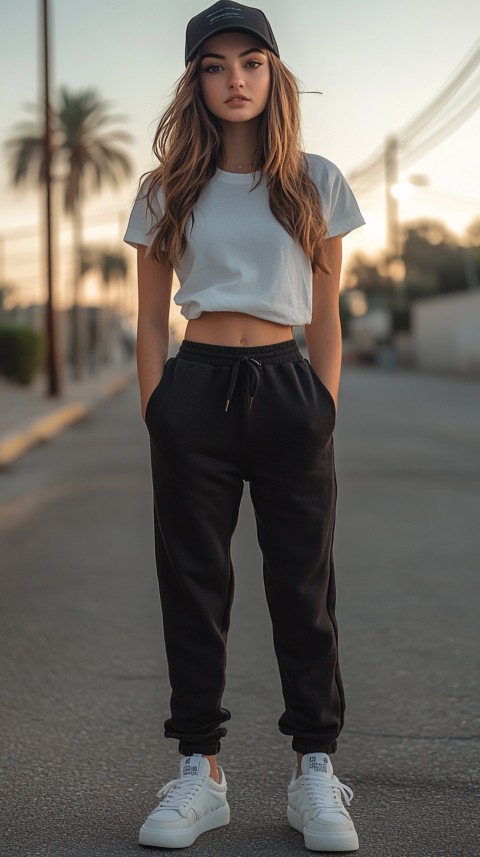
[(205, 748), (300, 745)]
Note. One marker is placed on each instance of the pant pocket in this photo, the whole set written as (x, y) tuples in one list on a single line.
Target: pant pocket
[(153, 394), (323, 389)]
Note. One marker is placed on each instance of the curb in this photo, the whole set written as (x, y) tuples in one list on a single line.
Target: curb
[(12, 446)]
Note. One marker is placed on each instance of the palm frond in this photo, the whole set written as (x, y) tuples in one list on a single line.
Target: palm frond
[(86, 149)]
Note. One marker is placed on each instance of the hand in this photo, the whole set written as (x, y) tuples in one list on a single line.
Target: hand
[(149, 395)]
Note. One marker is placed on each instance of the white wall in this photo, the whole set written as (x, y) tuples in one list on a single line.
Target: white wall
[(446, 333)]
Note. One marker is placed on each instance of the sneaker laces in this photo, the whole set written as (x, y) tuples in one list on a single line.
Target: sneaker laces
[(324, 793), (179, 793)]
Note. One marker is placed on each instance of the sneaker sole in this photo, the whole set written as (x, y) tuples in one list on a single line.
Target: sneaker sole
[(324, 841), (184, 838)]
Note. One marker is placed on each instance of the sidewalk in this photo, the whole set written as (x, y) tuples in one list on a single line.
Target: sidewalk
[(29, 416)]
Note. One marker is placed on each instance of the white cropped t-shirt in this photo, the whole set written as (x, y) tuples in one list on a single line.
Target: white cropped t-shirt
[(238, 257)]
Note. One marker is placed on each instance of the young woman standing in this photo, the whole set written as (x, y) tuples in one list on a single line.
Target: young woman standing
[(252, 226)]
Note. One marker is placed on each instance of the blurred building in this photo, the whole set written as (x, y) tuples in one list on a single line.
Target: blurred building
[(445, 332)]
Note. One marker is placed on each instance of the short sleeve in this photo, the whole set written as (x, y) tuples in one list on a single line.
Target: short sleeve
[(339, 206), (141, 218)]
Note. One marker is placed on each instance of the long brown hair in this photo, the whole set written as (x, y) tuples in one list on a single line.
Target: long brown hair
[(189, 147)]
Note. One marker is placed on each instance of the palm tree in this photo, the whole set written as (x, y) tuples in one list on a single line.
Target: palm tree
[(113, 269), (85, 157)]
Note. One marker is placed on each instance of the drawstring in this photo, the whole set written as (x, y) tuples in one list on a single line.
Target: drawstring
[(254, 378)]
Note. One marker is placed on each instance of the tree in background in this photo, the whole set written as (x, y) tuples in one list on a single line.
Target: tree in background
[(433, 262), (472, 252), (87, 156), (472, 233), (112, 267), (5, 292)]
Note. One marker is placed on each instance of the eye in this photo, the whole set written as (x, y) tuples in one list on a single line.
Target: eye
[(254, 63), (211, 69)]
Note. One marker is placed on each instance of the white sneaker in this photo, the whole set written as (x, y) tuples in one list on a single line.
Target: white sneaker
[(188, 806), (315, 806)]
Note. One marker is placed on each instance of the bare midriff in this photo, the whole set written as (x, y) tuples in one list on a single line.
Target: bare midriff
[(236, 328)]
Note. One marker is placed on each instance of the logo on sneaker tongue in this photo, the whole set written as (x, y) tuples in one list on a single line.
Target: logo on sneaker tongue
[(318, 764), (191, 766)]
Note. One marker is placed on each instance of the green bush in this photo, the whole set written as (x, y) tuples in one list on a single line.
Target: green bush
[(22, 351)]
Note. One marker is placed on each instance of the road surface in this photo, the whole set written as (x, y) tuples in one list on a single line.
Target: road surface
[(84, 683)]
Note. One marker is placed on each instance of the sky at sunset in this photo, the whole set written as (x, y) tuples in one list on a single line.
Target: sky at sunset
[(378, 65)]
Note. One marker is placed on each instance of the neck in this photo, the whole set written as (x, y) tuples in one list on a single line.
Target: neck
[(239, 146)]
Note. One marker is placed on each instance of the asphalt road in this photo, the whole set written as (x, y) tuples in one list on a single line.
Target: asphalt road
[(84, 685)]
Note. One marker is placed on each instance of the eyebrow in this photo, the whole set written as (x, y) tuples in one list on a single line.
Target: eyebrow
[(243, 54)]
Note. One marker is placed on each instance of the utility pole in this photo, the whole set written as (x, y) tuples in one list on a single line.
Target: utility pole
[(391, 178), (53, 368)]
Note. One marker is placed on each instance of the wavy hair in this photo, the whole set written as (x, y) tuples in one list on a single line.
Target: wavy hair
[(188, 145)]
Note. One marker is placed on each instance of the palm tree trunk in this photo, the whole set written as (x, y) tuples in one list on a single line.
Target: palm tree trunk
[(108, 329), (78, 314)]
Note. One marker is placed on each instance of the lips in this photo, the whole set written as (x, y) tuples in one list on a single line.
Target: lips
[(237, 98)]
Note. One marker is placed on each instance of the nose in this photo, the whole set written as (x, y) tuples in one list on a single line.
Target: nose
[(236, 81)]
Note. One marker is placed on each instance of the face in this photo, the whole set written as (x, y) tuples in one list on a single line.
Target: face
[(234, 76)]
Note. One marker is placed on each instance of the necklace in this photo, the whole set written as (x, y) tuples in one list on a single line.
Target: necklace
[(242, 166), (248, 164)]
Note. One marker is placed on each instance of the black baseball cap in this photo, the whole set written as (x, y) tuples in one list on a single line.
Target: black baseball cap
[(226, 16)]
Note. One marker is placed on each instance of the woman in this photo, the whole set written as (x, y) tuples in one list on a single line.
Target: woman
[(252, 226)]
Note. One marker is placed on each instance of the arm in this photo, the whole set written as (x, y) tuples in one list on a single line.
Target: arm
[(154, 295), (324, 334)]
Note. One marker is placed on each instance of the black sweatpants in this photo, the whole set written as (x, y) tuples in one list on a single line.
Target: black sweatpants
[(221, 416)]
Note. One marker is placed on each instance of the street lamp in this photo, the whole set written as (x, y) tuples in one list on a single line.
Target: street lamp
[(404, 188)]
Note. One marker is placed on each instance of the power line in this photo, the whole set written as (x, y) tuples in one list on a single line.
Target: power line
[(444, 131), (372, 171), (418, 123), (469, 93)]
